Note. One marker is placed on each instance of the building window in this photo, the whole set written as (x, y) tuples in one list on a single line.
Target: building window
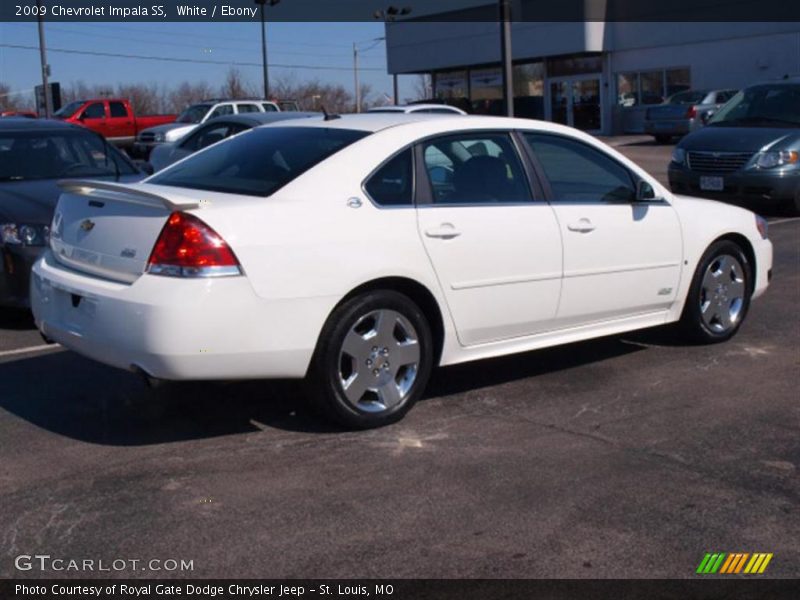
[(651, 87), (574, 65), (529, 90), (451, 86), (486, 91)]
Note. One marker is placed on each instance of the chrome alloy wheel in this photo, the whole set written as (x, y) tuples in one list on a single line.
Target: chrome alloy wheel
[(722, 294), (379, 361)]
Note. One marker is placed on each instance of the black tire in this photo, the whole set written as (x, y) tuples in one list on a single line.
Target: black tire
[(694, 326), (792, 206), (325, 387), (663, 139)]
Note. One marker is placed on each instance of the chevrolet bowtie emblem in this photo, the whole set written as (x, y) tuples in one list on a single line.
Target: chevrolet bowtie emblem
[(87, 225)]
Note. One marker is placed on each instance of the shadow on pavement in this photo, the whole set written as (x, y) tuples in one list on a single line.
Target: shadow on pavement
[(80, 399), (16, 319)]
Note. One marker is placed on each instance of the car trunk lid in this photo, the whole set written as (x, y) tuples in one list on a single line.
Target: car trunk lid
[(109, 229)]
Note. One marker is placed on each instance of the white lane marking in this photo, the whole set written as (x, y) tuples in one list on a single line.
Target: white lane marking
[(30, 349), (779, 221)]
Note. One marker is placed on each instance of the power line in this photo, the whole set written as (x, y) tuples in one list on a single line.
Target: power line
[(184, 60)]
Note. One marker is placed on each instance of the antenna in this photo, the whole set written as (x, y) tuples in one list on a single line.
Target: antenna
[(329, 116)]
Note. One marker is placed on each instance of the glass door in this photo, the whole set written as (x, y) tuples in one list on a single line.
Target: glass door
[(576, 101)]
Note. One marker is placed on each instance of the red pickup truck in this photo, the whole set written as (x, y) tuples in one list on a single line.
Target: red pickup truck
[(111, 117)]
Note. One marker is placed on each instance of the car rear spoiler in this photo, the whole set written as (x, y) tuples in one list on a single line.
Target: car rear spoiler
[(135, 194)]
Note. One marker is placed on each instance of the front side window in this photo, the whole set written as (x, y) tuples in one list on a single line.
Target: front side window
[(393, 183), (475, 169), (579, 172), (95, 110), (260, 161), (193, 114), (221, 111), (65, 112)]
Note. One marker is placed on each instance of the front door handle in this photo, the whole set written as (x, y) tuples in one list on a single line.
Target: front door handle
[(582, 226), (445, 231)]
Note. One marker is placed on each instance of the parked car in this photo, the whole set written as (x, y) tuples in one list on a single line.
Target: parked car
[(434, 109), (26, 114), (112, 118), (360, 251), (195, 115), (214, 131), (750, 150), (34, 155), (683, 113)]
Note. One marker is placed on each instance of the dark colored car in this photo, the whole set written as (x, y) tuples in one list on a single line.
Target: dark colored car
[(684, 112), (216, 130), (34, 155), (749, 151)]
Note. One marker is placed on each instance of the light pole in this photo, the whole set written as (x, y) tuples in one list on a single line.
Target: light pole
[(262, 5), (389, 15), (355, 68), (507, 57), (48, 101)]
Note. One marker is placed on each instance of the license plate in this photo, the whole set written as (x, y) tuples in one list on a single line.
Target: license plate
[(712, 184)]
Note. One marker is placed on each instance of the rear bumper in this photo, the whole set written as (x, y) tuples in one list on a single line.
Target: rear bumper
[(669, 127), (15, 269), (176, 329), (758, 187)]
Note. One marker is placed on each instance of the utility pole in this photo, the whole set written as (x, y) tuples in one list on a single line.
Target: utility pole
[(395, 90), (48, 101), (507, 57), (264, 65), (389, 15), (355, 77)]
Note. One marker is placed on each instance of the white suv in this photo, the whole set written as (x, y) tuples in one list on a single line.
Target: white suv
[(193, 116)]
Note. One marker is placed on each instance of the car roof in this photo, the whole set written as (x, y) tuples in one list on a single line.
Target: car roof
[(25, 124), (413, 107), (262, 118), (371, 122)]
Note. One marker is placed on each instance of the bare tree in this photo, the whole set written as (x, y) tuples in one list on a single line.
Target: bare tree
[(235, 86), (8, 99), (145, 98), (423, 87), (187, 93)]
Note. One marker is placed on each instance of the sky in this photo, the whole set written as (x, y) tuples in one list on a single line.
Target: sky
[(322, 51)]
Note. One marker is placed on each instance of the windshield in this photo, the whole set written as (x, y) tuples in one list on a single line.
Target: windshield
[(193, 114), (762, 106), (687, 98), (258, 162), (65, 112), (26, 155)]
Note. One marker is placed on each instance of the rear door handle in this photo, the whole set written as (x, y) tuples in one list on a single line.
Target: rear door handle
[(582, 226), (445, 231)]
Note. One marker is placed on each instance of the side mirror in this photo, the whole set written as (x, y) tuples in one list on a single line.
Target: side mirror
[(707, 117), (644, 192)]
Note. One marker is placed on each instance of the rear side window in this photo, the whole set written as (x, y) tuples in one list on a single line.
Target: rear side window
[(247, 108), (393, 183), (117, 109), (258, 162), (271, 108)]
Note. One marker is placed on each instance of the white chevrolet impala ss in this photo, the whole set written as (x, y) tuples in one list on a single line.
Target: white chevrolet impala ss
[(359, 252)]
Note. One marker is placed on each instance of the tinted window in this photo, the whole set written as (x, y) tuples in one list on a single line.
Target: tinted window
[(70, 109), (95, 110), (211, 134), (193, 114), (117, 109), (576, 171), (52, 155), (475, 168), (762, 106), (273, 108), (221, 111), (437, 111), (247, 108), (260, 161), (393, 183)]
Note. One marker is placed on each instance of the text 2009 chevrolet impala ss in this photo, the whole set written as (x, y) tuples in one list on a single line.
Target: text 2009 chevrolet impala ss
[(359, 252)]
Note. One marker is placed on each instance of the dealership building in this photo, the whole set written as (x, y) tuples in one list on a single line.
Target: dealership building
[(595, 75)]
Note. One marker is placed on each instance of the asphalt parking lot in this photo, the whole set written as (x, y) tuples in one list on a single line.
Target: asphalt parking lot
[(628, 456)]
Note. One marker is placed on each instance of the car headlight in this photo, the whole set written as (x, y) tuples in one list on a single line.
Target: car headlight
[(770, 160), (679, 156), (14, 234)]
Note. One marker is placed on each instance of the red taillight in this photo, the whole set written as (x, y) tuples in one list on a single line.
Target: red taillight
[(187, 247), (691, 113)]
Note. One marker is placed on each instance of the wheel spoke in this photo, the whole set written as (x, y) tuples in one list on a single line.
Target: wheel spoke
[(355, 345), (724, 316), (406, 353), (736, 289), (355, 387), (710, 280), (385, 323), (389, 394)]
